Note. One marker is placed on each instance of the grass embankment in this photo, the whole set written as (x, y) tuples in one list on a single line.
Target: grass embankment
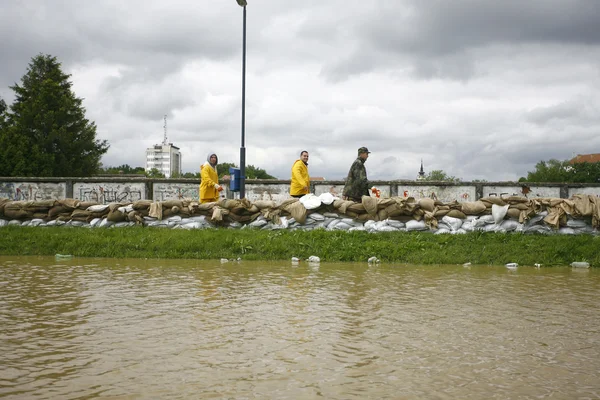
[(402, 247)]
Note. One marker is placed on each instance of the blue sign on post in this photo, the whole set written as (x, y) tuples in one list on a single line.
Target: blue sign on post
[(234, 183)]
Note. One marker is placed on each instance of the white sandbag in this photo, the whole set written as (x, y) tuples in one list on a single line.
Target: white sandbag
[(482, 221), (453, 223), (536, 229), (193, 225), (413, 225), (316, 217), (509, 225), (460, 231), (237, 225), (331, 215), (566, 231), (351, 222), (499, 212), (36, 222), (259, 223), (15, 222), (370, 224), (536, 218), (328, 221), (326, 198), (357, 228), (394, 223), (310, 201), (174, 218), (126, 209), (441, 231), (97, 208), (341, 226), (576, 223), (122, 224), (386, 228), (467, 226), (3, 222)]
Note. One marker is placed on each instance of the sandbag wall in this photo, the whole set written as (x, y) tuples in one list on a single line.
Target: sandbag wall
[(580, 214)]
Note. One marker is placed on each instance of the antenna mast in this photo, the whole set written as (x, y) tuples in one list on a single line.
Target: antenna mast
[(165, 141)]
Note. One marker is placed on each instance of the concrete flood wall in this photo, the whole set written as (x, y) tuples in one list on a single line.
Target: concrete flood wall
[(119, 189)]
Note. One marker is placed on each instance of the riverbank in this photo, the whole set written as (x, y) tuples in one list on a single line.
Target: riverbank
[(484, 248)]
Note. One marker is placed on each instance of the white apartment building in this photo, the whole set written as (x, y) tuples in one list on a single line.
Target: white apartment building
[(164, 157)]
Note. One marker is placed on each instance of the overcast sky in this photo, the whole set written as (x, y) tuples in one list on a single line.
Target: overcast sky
[(480, 89)]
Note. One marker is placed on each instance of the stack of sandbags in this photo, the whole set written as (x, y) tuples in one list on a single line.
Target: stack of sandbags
[(26, 210)]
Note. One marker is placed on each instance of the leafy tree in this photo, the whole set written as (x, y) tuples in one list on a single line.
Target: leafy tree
[(154, 173), (2, 106), (223, 169), (191, 175), (46, 132), (123, 169), (253, 172), (586, 172), (441, 176), (550, 171)]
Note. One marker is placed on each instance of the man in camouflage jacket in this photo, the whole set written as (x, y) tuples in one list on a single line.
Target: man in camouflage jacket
[(357, 184)]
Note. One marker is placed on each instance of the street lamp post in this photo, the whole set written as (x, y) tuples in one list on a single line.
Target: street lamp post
[(243, 4)]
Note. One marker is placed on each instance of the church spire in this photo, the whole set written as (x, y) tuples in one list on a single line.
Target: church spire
[(421, 175)]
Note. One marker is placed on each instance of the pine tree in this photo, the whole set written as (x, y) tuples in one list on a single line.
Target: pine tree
[(46, 132)]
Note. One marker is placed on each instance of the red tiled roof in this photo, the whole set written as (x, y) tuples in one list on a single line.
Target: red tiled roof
[(317, 178), (581, 158)]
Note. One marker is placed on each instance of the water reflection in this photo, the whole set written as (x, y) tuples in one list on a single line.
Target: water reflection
[(91, 328)]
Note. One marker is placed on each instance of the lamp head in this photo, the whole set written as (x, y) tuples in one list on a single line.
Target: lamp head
[(242, 3)]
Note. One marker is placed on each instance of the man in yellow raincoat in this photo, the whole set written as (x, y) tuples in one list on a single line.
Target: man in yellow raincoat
[(209, 180), (300, 180)]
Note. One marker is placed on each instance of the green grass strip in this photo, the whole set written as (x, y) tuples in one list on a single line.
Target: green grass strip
[(402, 247)]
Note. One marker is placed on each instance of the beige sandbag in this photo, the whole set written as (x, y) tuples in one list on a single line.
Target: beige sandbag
[(116, 216), (297, 211), (172, 203), (80, 213), (56, 210), (354, 207), (514, 213), (85, 204), (217, 214), (70, 203), (341, 206), (262, 204), (426, 204), (382, 215), (141, 204), (370, 204), (488, 201), (456, 214), (156, 211), (17, 213), (473, 207)]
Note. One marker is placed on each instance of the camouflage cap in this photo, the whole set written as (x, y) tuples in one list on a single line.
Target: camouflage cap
[(363, 150)]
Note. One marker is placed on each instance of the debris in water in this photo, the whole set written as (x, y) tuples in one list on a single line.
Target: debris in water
[(63, 256), (580, 264), (314, 259), (373, 260), (224, 260), (512, 265)]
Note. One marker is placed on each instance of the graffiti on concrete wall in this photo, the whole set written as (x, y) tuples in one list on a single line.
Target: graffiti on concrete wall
[(442, 193), (32, 191), (105, 193), (177, 191), (522, 191)]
